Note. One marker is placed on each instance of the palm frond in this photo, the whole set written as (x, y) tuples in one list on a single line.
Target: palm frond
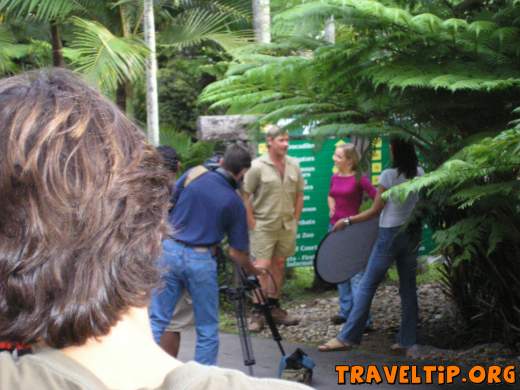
[(195, 26), (43, 10), (104, 57)]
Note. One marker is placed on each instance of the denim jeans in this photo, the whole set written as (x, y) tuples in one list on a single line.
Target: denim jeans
[(347, 291), (391, 244), (195, 270)]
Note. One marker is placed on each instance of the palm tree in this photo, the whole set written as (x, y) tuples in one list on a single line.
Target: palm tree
[(262, 20), (152, 104), (103, 39)]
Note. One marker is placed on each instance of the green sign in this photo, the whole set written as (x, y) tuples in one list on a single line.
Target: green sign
[(317, 167)]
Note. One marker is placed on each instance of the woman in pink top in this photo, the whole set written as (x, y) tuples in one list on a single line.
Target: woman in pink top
[(345, 197)]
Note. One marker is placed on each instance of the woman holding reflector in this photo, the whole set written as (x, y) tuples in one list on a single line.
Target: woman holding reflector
[(344, 199), (394, 242)]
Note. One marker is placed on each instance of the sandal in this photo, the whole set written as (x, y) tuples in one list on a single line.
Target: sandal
[(334, 345)]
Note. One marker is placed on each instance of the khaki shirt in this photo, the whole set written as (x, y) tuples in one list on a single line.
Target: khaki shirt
[(52, 370), (273, 199)]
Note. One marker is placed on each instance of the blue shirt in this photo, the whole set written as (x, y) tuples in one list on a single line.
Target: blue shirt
[(208, 209)]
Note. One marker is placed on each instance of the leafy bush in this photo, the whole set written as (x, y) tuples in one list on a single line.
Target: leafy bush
[(190, 153)]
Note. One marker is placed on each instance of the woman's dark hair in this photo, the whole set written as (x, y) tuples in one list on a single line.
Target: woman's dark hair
[(236, 158), (170, 157), (82, 215), (404, 157)]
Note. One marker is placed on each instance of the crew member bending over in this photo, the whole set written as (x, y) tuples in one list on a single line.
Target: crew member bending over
[(207, 208)]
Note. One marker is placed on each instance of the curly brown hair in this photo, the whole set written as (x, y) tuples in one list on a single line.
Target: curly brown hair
[(83, 210)]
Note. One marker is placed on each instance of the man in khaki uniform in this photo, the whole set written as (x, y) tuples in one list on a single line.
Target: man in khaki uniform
[(273, 189)]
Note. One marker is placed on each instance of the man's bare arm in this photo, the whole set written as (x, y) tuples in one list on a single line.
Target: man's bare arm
[(298, 206), (243, 260), (251, 222)]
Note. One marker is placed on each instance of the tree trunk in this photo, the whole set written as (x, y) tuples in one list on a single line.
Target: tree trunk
[(57, 46), (121, 97), (129, 92), (152, 104), (125, 92), (262, 20), (330, 30)]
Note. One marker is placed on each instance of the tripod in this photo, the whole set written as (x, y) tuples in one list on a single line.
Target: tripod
[(238, 294)]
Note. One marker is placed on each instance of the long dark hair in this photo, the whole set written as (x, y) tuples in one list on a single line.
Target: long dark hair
[(404, 157)]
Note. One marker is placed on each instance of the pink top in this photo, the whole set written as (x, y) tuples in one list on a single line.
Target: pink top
[(347, 192)]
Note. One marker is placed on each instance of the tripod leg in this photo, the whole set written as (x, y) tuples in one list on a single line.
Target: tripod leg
[(243, 333), (266, 311)]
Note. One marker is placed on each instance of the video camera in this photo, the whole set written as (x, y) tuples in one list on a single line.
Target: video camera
[(213, 162)]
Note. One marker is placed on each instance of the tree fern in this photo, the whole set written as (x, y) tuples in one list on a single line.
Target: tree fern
[(436, 72)]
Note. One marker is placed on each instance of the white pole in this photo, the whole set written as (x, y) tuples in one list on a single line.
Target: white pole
[(262, 20), (152, 104)]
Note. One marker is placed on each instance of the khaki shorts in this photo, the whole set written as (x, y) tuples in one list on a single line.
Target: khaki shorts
[(269, 244), (182, 317)]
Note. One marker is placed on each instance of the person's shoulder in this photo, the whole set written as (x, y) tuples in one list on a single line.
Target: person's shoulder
[(38, 372), (198, 377), (389, 173), (258, 163), (388, 177), (262, 159), (293, 161)]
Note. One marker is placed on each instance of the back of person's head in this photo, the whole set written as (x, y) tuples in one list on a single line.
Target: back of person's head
[(84, 201), (170, 157), (404, 158), (236, 158)]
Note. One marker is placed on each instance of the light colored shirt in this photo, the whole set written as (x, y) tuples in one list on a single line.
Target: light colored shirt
[(347, 192), (395, 213), (273, 197), (50, 369)]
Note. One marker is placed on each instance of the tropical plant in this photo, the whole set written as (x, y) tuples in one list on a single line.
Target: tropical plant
[(441, 73), (482, 184), (190, 153), (103, 38)]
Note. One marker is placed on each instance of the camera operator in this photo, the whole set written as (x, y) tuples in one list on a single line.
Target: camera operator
[(182, 317), (207, 207)]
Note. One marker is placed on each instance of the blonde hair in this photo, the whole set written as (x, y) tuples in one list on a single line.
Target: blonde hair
[(273, 131), (349, 151)]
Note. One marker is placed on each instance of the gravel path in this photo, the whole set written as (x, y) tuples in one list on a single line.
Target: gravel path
[(438, 328)]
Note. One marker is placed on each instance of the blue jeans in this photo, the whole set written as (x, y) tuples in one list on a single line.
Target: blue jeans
[(347, 292), (195, 270), (391, 244)]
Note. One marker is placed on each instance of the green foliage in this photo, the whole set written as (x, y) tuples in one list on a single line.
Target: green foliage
[(194, 26), (440, 73), (190, 153), (104, 57), (102, 39), (182, 76)]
